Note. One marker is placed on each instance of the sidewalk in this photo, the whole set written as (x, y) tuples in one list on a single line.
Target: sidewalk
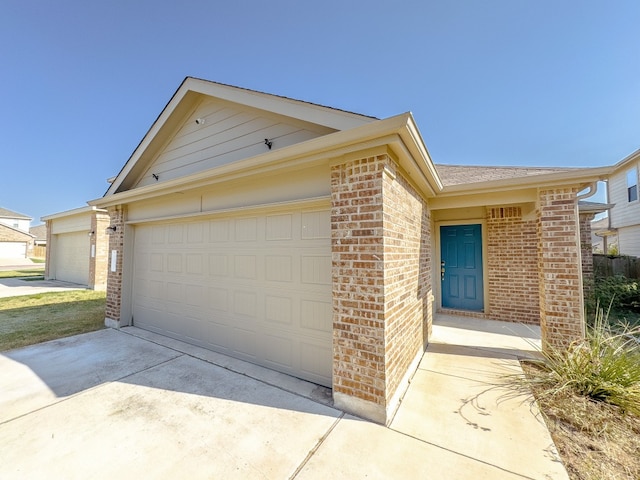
[(16, 287)]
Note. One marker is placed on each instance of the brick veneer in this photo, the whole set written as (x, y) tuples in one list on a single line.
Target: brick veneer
[(560, 269), (117, 217), (47, 255), (98, 264), (381, 278), (512, 266), (586, 250)]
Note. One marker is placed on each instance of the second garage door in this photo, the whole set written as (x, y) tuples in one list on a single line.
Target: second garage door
[(256, 287), (72, 257), (13, 249)]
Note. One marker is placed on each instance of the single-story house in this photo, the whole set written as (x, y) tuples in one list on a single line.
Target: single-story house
[(15, 240), (321, 243), (77, 246)]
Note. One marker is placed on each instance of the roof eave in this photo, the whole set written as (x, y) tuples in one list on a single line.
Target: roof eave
[(68, 213), (570, 177), (398, 132)]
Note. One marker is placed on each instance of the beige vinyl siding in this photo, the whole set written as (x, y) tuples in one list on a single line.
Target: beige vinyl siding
[(228, 133), (624, 213), (72, 223), (312, 182), (629, 240)]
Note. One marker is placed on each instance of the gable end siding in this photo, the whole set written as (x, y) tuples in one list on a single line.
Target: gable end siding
[(225, 133)]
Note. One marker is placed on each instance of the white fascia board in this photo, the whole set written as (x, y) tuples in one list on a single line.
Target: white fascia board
[(309, 112), (148, 137), (634, 157), (69, 213), (393, 131)]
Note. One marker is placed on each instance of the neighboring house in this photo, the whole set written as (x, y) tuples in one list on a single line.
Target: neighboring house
[(15, 219), (40, 241), (605, 241), (320, 243), (623, 225), (77, 244), (40, 234), (15, 240)]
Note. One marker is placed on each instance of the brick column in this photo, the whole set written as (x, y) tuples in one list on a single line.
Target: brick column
[(47, 259), (560, 268), (98, 262), (358, 287), (586, 252), (381, 273), (117, 215)]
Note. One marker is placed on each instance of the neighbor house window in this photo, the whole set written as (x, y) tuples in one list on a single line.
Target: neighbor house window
[(632, 185)]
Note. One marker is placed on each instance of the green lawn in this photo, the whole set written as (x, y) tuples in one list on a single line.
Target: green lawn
[(31, 319), (27, 272)]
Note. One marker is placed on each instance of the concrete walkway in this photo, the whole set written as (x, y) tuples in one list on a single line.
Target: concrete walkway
[(132, 404), (15, 287)]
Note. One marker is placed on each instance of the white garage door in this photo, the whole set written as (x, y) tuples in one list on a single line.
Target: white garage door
[(253, 287), (71, 257), (13, 249)]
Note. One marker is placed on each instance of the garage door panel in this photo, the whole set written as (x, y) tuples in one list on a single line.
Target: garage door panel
[(245, 343), (251, 287), (316, 315), (278, 352), (278, 310), (316, 360), (71, 257)]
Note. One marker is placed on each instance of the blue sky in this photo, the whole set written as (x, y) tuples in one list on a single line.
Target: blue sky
[(493, 82)]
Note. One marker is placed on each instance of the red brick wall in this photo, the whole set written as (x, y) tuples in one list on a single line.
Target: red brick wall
[(512, 266), (114, 279), (560, 267)]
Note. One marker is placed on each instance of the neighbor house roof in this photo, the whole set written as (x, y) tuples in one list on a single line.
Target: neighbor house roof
[(465, 174), (14, 231), (39, 231), (6, 213)]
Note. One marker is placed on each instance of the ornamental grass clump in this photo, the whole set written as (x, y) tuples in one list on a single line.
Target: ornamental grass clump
[(603, 367)]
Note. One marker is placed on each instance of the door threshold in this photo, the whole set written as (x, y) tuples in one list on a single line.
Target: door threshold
[(462, 313)]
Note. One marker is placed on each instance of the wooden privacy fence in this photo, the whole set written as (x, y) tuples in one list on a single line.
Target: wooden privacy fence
[(39, 251), (606, 266)]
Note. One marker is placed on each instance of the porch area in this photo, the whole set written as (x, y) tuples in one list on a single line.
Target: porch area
[(456, 402)]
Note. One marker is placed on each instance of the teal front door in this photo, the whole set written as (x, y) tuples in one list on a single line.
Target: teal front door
[(461, 267)]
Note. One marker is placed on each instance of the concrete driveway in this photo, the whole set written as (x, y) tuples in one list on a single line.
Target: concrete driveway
[(132, 404)]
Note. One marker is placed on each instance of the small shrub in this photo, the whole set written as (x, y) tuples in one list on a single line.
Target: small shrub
[(604, 367), (618, 291)]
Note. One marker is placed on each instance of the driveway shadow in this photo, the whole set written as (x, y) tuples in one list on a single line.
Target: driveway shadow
[(40, 375)]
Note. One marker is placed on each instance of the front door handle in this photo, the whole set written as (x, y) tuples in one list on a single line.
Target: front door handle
[(442, 271)]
